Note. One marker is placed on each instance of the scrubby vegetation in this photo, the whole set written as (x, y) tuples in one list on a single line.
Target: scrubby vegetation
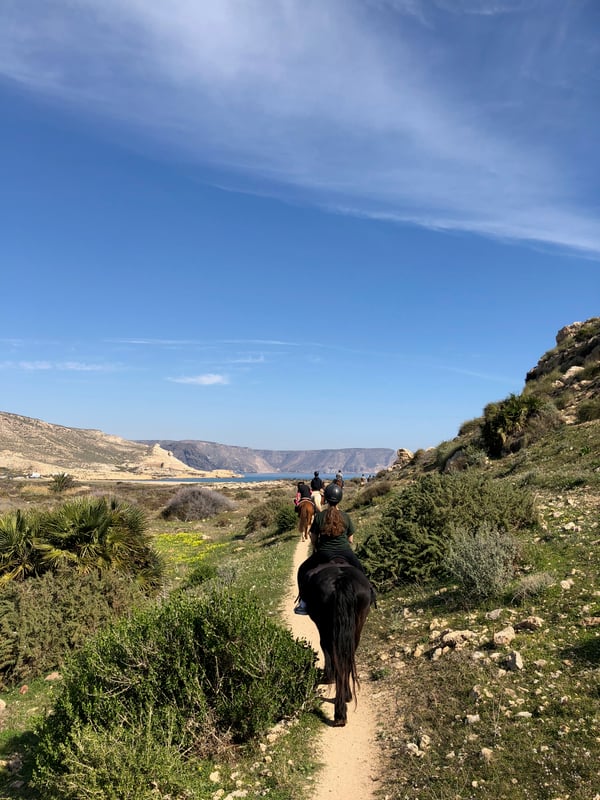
[(368, 493), (482, 561), (45, 618), (188, 675), (267, 513), (196, 503), (516, 421), (419, 523), (92, 534)]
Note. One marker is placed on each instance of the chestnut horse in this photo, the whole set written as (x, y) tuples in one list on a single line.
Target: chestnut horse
[(306, 513), (338, 597)]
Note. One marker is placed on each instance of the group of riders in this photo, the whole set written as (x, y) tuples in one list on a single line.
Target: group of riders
[(331, 532)]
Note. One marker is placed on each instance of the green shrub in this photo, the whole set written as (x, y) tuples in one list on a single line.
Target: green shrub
[(190, 672), (98, 534), (368, 493), (418, 524), (121, 763), (265, 514), (286, 519), (589, 410), (471, 427), (590, 371), (504, 420), (481, 561), (196, 503), (44, 618), (203, 572)]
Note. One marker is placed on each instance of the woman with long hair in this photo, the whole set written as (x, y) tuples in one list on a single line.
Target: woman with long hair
[(331, 535)]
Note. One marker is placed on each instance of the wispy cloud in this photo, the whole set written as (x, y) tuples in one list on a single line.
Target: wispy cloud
[(471, 115), (209, 379), (63, 366), (250, 359)]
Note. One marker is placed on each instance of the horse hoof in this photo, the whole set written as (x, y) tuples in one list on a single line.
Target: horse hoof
[(339, 723)]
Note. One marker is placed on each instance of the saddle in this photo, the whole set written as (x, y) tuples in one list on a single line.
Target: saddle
[(338, 561), (305, 500)]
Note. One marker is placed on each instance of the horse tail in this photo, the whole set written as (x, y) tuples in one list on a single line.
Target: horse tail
[(344, 644)]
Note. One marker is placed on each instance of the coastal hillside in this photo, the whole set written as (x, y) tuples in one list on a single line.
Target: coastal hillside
[(32, 447), (211, 455)]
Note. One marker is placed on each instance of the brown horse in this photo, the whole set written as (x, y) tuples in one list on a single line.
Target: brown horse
[(338, 597), (306, 513)]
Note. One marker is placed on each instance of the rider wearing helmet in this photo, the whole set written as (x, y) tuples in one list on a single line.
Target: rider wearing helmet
[(331, 534)]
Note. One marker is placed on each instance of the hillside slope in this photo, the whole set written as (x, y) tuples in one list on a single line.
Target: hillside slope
[(32, 446)]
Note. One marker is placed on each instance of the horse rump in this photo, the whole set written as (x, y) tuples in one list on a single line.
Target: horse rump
[(306, 514), (338, 599)]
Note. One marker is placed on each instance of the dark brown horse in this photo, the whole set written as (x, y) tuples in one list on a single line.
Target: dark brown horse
[(338, 597)]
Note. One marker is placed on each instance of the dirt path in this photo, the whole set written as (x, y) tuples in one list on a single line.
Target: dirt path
[(349, 754)]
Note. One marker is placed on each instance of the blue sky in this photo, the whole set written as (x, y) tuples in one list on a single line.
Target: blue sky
[(292, 224)]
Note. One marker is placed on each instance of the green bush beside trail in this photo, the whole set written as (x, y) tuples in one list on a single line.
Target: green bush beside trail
[(184, 675), (418, 524)]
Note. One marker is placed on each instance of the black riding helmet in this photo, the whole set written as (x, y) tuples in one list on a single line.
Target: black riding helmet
[(333, 494)]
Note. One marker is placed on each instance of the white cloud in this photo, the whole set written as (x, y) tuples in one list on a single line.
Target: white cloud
[(209, 379), (373, 106)]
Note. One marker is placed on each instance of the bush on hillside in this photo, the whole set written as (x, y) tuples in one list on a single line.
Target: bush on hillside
[(368, 493), (418, 524), (132, 763), (45, 618), (189, 673), (286, 519), (196, 503), (506, 423), (531, 586), (588, 410), (265, 514), (482, 561)]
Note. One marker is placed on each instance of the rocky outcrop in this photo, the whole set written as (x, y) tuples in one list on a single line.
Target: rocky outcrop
[(573, 365)]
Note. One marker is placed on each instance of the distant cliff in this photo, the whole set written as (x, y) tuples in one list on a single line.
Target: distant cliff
[(211, 455)]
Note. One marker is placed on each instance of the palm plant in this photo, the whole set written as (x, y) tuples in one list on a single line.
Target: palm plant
[(19, 547), (61, 482), (101, 534)]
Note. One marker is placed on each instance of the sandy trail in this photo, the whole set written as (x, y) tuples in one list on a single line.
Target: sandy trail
[(349, 754)]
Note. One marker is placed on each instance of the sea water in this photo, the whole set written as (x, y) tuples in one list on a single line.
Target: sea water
[(258, 477)]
